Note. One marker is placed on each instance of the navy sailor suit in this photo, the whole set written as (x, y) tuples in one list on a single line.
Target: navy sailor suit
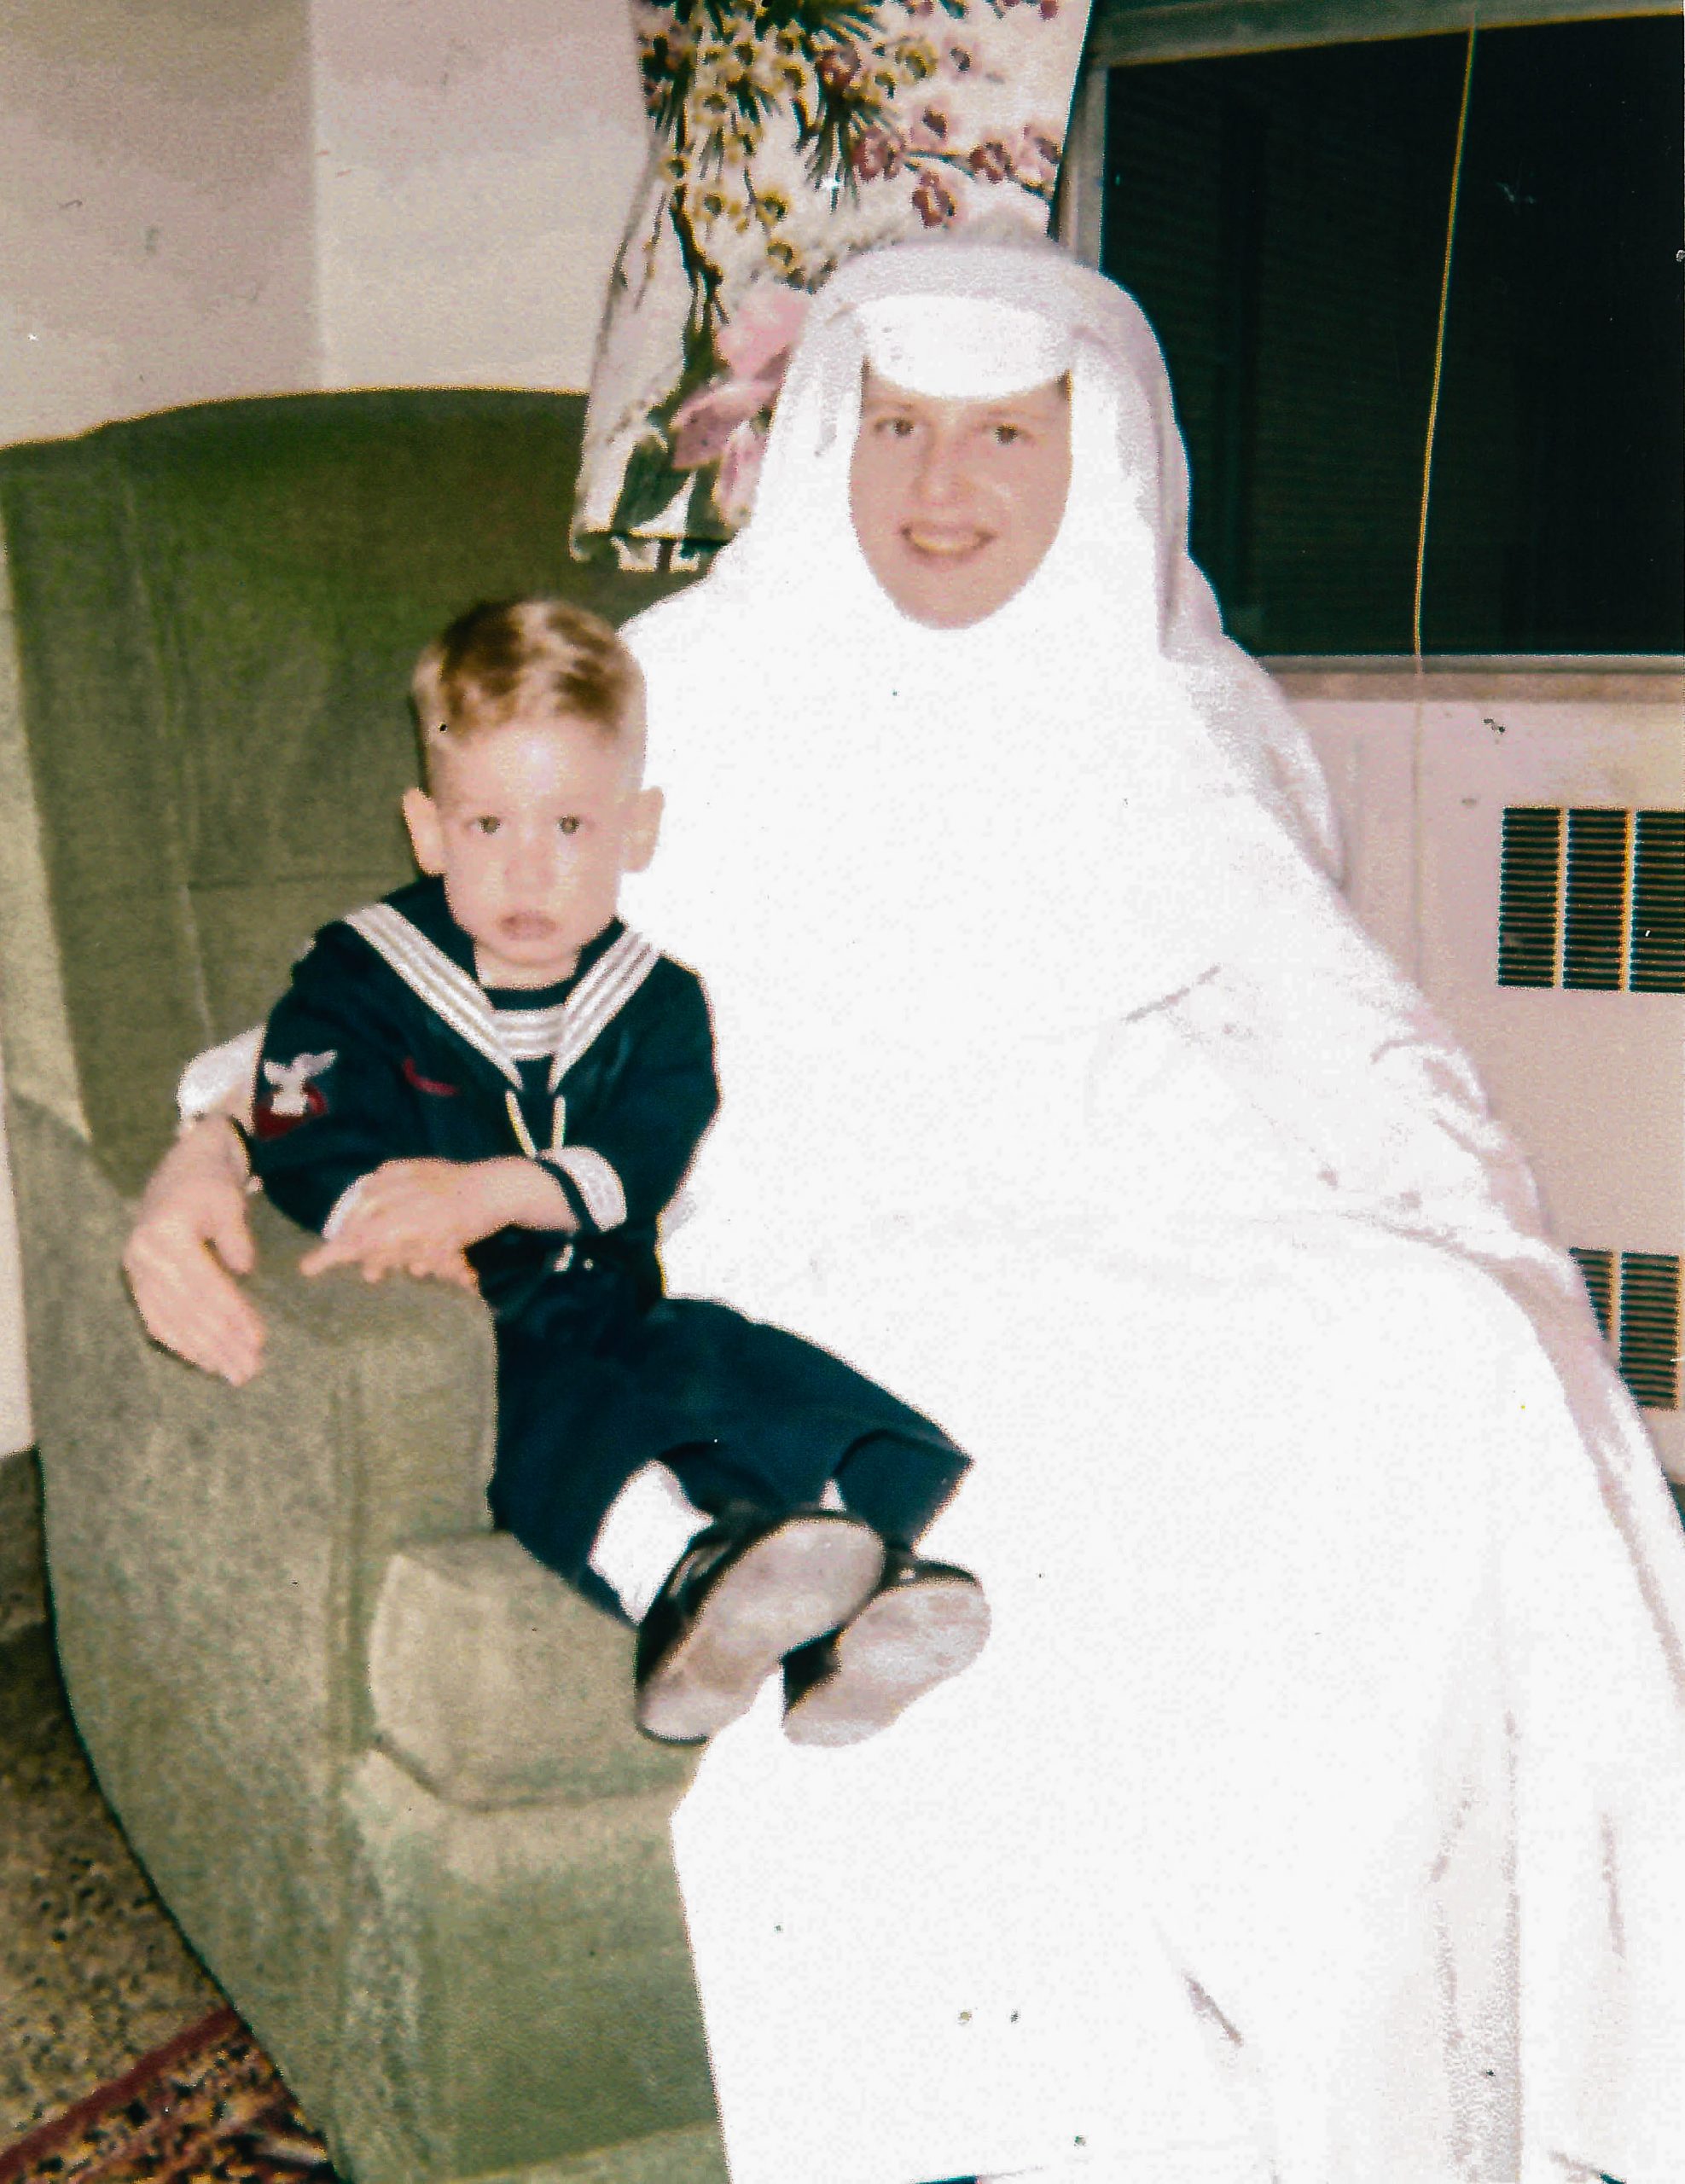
[(388, 1048)]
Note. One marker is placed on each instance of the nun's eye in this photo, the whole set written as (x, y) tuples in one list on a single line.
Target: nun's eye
[(485, 824), (896, 428), (1006, 435), (569, 825)]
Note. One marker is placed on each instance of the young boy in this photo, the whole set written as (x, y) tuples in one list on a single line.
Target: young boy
[(487, 1078)]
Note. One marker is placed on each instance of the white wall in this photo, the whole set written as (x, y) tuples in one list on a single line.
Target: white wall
[(209, 198), (155, 243), (474, 167)]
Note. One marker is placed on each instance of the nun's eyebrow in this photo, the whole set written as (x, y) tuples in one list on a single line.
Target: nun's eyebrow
[(1030, 398)]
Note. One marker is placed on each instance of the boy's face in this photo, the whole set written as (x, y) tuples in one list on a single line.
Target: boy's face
[(955, 503), (531, 826)]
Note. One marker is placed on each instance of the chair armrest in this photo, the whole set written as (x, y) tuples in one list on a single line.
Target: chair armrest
[(412, 1369), (214, 1556), (495, 1685), (236, 1535)]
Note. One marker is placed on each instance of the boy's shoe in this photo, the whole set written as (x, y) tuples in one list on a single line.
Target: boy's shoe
[(744, 1594), (926, 1622)]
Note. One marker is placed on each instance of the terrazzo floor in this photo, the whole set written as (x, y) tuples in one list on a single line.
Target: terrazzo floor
[(93, 1974)]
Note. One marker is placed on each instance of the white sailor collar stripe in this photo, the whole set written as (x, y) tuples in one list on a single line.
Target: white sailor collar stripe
[(599, 996), (460, 1001), (444, 986)]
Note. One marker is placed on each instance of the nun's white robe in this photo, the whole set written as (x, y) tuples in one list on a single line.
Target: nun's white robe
[(1316, 1808)]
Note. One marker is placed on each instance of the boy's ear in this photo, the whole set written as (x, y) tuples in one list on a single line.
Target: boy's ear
[(644, 828), (426, 835)]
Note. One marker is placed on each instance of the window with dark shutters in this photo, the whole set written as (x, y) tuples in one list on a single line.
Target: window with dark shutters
[(1281, 215)]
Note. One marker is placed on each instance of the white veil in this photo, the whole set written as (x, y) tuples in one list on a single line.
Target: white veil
[(1014, 869), (1161, 833), (1127, 456), (1037, 1003)]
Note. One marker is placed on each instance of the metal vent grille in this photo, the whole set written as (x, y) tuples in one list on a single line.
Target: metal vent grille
[(1597, 1269), (1594, 912), (1635, 1296), (1658, 903), (1592, 898), (1529, 891)]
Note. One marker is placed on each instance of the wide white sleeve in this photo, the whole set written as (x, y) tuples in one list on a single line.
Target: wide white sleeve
[(220, 1078)]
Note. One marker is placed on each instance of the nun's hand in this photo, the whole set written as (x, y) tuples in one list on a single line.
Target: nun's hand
[(190, 1238)]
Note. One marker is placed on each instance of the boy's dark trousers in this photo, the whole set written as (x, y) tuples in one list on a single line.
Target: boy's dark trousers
[(593, 1384)]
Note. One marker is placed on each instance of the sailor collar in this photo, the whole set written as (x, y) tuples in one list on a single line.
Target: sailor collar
[(613, 967)]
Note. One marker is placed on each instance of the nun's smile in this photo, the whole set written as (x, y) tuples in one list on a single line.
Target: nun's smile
[(956, 501)]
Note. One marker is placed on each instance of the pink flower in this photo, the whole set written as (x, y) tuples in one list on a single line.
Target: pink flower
[(930, 130), (840, 66), (989, 161), (756, 338), (754, 345), (1034, 152), (703, 425), (740, 472), (878, 152), (933, 201)]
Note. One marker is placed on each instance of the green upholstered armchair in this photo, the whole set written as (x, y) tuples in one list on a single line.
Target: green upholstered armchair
[(379, 1763)]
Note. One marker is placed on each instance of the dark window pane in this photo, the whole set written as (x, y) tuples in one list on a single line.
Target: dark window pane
[(1282, 218)]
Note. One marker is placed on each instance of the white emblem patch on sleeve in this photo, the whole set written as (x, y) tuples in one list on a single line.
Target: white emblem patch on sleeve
[(291, 1081)]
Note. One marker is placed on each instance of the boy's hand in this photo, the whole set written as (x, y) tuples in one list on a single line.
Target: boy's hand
[(447, 1266), (419, 1216)]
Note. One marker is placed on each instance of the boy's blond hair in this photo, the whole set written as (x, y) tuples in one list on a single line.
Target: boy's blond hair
[(527, 660)]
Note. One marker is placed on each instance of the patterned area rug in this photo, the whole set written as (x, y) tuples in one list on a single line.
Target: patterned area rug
[(208, 2108)]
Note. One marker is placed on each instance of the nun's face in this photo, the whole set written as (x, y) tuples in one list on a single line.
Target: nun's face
[(955, 503)]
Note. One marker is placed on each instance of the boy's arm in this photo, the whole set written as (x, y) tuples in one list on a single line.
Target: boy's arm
[(632, 1157), (422, 1214), (329, 1106)]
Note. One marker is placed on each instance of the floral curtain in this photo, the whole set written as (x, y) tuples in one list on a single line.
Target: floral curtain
[(787, 137)]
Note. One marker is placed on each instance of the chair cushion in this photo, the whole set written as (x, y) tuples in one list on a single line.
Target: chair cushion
[(495, 1685)]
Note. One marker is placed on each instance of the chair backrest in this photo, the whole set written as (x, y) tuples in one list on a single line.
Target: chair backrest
[(215, 613)]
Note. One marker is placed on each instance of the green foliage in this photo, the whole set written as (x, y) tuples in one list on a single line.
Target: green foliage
[(650, 484)]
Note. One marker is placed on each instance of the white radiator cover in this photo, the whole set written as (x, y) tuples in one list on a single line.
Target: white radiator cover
[(1422, 766)]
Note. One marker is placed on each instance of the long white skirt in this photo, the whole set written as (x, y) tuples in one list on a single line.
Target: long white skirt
[(1317, 1810)]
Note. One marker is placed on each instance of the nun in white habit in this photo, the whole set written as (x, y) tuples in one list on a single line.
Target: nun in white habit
[(1314, 1811)]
